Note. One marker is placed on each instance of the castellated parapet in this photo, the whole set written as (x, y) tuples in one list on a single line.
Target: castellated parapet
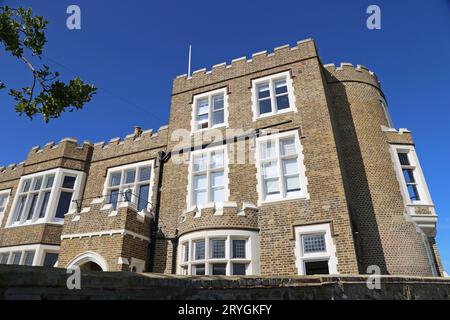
[(346, 72)]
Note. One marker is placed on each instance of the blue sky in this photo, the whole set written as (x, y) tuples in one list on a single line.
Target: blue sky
[(131, 50)]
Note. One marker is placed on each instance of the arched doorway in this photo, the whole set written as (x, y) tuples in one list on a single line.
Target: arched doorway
[(89, 261)]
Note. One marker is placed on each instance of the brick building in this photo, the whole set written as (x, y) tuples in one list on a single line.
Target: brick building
[(273, 165)]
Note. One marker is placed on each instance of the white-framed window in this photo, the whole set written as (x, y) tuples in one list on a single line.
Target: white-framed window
[(130, 183), (208, 176), (30, 255), (314, 249), (46, 196), (409, 172), (272, 95), (219, 252), (281, 173), (210, 110), (4, 197)]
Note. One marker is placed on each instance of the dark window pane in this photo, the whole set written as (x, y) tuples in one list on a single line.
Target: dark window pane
[(29, 256), (4, 258), (239, 269), (280, 87), (316, 267), (64, 204), (113, 198), (143, 197), (49, 182), (218, 249), (282, 102), (199, 250), (199, 270), (265, 106), (115, 178), (413, 192), (69, 182), (144, 174), (263, 91), (44, 205), (16, 257), (218, 117), (20, 207), (409, 175), (26, 185), (50, 259), (37, 183), (217, 102), (239, 249), (32, 206), (130, 176), (403, 157), (219, 269)]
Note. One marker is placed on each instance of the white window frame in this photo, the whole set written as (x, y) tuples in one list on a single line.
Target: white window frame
[(190, 202), (283, 195), (270, 80), (251, 251), (422, 188), (329, 254), (209, 95), (123, 169), (53, 201), (39, 252), (4, 192)]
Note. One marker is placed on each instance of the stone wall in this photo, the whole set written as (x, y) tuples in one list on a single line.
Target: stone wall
[(19, 282)]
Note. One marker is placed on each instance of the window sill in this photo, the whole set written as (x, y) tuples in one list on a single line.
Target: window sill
[(18, 225), (269, 115), (291, 198)]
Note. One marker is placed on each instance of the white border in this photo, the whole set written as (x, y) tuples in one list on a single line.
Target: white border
[(89, 256)]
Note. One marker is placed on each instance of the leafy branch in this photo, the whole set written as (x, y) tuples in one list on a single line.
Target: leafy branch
[(20, 31)]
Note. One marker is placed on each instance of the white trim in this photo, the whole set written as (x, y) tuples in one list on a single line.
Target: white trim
[(2, 193), (271, 78), (251, 249), (139, 264), (55, 192), (89, 256), (104, 233), (190, 193), (208, 95), (39, 252), (303, 193), (329, 255)]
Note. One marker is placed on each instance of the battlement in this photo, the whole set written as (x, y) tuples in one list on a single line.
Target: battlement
[(212, 216), (347, 72), (259, 61), (138, 141), (11, 172)]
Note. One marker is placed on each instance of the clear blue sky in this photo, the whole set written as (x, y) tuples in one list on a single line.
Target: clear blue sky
[(133, 49)]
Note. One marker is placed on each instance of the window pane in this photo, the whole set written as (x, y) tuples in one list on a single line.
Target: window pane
[(186, 252), (272, 186), (408, 175), (130, 176), (292, 184), (216, 160), (16, 257), (218, 117), (239, 249), (200, 163), (314, 243), (263, 91), (218, 195), (115, 178), (49, 182), (280, 87), (63, 204), (202, 106), (217, 179), (20, 207), (200, 198), (219, 269), (239, 269), (113, 198), (44, 204), (26, 185), (3, 200), (199, 269), (283, 102), (200, 182), (203, 118), (217, 249), (287, 147), (268, 150), (69, 182), (413, 192), (199, 249), (144, 173), (29, 256), (265, 106), (290, 166), (316, 267), (270, 169), (37, 183), (143, 197), (50, 259), (34, 198), (217, 102), (403, 157), (4, 258)]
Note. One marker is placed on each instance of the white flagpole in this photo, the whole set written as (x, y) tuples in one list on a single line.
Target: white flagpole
[(189, 62)]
